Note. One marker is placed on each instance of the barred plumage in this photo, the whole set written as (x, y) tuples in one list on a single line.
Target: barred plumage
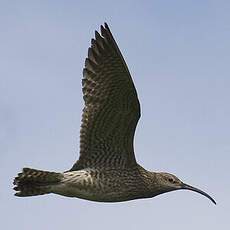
[(107, 169), (32, 182)]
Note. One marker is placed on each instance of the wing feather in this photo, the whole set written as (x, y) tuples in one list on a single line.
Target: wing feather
[(111, 110)]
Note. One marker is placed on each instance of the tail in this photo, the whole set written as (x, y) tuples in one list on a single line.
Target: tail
[(33, 182)]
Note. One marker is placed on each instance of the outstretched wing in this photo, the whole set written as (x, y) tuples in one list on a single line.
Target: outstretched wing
[(111, 110)]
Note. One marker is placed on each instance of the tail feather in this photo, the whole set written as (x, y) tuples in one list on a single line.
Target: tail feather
[(32, 182)]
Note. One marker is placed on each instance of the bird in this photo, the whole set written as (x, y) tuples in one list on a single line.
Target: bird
[(107, 170)]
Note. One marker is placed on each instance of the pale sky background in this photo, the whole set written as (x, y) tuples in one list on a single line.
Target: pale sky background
[(178, 53)]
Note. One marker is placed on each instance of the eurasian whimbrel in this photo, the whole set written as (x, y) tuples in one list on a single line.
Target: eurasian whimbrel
[(107, 170)]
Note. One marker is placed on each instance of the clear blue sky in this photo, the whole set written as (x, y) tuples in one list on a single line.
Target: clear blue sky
[(178, 53)]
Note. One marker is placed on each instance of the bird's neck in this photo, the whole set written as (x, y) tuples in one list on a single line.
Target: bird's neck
[(152, 182)]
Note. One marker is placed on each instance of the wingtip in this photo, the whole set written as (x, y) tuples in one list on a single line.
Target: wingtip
[(102, 29), (106, 25), (96, 33)]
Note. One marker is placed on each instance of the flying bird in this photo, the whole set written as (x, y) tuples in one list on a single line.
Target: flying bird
[(106, 170)]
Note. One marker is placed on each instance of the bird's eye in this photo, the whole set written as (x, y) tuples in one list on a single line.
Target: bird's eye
[(171, 180)]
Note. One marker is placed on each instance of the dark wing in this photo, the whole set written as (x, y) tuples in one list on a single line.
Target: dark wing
[(111, 110)]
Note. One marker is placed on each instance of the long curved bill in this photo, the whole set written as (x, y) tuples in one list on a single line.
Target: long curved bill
[(189, 187)]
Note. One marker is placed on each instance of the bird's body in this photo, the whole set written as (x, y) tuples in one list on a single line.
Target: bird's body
[(97, 184), (107, 170), (105, 185)]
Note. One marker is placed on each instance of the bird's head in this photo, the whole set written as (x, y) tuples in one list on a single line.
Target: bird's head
[(169, 182)]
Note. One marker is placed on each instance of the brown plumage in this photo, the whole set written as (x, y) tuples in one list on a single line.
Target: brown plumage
[(107, 169), (111, 109), (33, 182)]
